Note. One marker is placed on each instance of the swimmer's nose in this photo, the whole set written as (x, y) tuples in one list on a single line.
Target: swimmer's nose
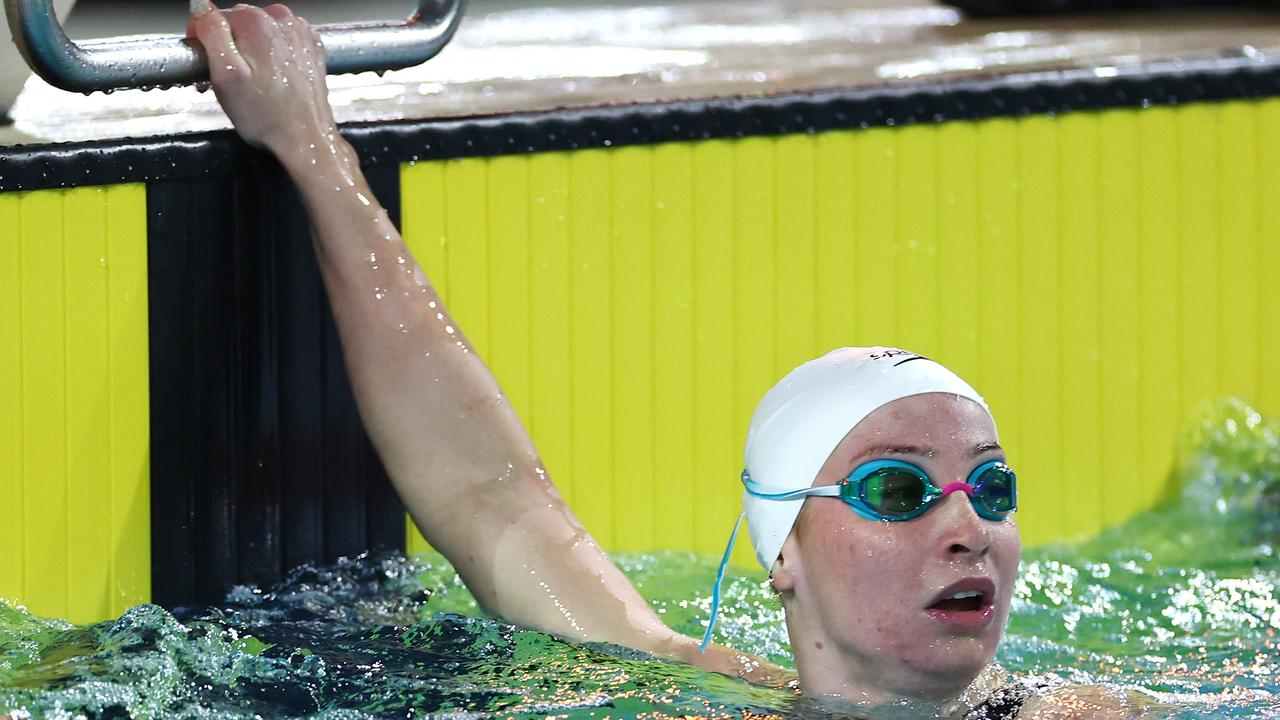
[(963, 532)]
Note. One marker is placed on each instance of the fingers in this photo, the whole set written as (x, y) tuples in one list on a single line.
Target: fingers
[(306, 47), (215, 34), (281, 13), (251, 26), (309, 48), (306, 39), (244, 33), (291, 24)]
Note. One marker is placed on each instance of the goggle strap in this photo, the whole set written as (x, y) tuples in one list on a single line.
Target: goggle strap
[(715, 590), (767, 492)]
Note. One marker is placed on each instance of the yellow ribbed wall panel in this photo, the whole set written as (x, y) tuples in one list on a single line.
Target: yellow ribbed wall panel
[(960, 273), (12, 492), (1267, 162), (916, 206), (44, 403), (465, 216), (1198, 221), (1236, 275), (875, 303), (755, 321), (587, 383), (555, 352), (633, 345), (1079, 319), (507, 190), (1035, 321), (717, 437), (674, 349), (795, 251), (74, 400), (1160, 396), (88, 397), (1001, 361), (1097, 275), (1118, 354), (833, 226), (129, 386)]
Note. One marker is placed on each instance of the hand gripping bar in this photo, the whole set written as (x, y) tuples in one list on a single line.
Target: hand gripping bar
[(164, 61)]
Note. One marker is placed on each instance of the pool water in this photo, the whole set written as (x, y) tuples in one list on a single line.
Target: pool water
[(1183, 602)]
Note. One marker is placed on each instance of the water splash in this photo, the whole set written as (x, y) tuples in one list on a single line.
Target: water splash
[(1183, 600)]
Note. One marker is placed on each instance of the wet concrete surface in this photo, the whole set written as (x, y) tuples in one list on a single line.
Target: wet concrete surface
[(523, 57)]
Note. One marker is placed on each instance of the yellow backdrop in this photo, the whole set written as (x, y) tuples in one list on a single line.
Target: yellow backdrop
[(1095, 275), (74, 432)]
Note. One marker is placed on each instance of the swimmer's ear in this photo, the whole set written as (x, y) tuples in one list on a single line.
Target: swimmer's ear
[(785, 568)]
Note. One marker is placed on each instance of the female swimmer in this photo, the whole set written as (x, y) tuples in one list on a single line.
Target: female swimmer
[(895, 562)]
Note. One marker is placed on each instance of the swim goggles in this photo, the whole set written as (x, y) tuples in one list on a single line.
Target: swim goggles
[(892, 490), (888, 491)]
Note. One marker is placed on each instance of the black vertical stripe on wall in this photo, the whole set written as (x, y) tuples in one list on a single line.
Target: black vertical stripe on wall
[(172, 501), (259, 460), (193, 288), (258, 492), (298, 301)]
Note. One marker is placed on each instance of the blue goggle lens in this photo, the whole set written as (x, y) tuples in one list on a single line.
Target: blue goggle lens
[(895, 491), (996, 489)]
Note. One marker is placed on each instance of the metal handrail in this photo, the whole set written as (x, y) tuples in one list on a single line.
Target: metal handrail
[(164, 61)]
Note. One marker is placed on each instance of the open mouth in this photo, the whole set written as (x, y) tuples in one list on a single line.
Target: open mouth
[(966, 601), (965, 606)]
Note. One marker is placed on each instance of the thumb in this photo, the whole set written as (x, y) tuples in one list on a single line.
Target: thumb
[(198, 8), (226, 65)]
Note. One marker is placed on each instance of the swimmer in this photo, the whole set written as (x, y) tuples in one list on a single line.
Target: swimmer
[(894, 554)]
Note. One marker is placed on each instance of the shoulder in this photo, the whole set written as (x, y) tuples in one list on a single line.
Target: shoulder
[(999, 695), (1089, 701)]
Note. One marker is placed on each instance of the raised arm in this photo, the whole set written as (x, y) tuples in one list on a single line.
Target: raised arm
[(456, 452)]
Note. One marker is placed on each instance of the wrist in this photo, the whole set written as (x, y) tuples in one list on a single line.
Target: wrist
[(318, 158), (308, 145)]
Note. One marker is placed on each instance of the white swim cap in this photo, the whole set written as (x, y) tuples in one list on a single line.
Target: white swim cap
[(804, 417)]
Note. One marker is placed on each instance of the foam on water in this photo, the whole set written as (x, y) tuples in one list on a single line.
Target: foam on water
[(1183, 602)]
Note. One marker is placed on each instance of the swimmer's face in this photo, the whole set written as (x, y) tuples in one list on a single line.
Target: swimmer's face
[(861, 595)]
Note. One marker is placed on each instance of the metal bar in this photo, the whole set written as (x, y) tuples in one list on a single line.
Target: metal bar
[(168, 60)]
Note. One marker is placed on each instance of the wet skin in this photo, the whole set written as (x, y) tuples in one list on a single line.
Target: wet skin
[(857, 591)]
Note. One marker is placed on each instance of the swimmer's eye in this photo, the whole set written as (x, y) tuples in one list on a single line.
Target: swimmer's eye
[(996, 488), (895, 491)]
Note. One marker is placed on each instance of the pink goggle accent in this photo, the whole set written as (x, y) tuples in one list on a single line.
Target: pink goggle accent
[(963, 487)]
